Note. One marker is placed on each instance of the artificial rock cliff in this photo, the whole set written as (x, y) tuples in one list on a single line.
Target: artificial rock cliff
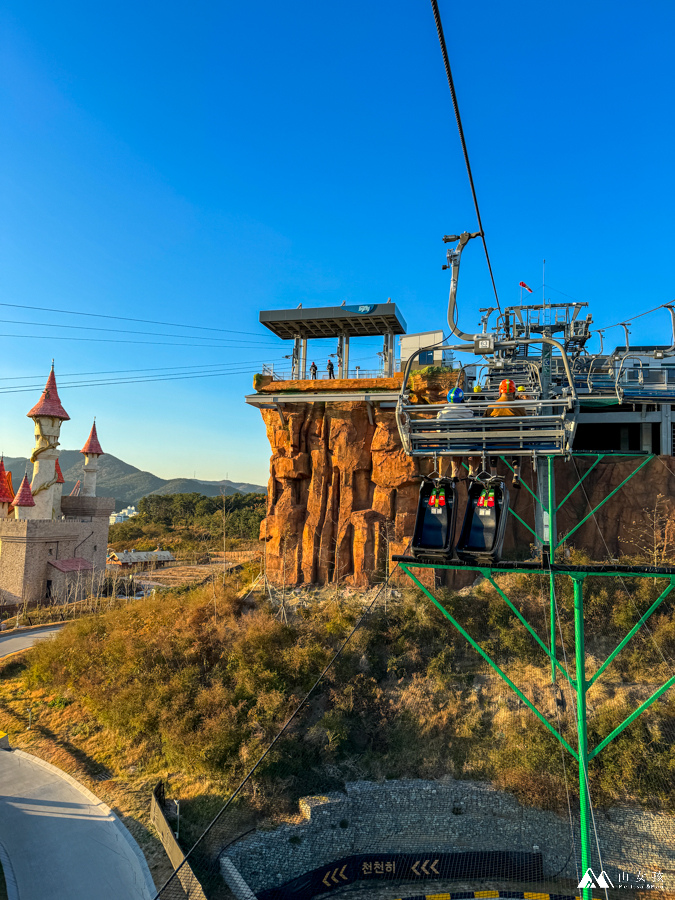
[(343, 494)]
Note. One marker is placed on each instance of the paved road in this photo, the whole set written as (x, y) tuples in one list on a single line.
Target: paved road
[(61, 841), (10, 643)]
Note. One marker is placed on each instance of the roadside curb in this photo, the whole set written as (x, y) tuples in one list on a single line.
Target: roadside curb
[(124, 831), (10, 632)]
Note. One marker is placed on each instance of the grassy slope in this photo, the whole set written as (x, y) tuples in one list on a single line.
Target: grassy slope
[(192, 686)]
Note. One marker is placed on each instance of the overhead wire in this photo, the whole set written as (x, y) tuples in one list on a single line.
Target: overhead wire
[(49, 337), (72, 312), (144, 380), (119, 371), (455, 105), (194, 337)]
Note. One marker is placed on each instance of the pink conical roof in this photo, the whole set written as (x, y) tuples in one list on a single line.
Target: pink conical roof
[(24, 496), (59, 474), (49, 403), (92, 447), (76, 490), (5, 494)]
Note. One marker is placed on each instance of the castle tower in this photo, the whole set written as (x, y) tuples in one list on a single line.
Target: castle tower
[(48, 415), (24, 503), (6, 496), (92, 451), (57, 490)]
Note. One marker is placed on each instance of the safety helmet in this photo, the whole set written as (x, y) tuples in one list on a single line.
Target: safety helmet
[(507, 387), (456, 395), (477, 389), (521, 389)]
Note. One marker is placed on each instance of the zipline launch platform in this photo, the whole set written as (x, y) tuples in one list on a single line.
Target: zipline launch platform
[(342, 322)]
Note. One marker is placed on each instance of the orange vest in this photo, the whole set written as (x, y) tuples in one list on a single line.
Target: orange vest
[(503, 410)]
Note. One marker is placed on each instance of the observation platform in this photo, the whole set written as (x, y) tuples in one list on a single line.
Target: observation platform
[(375, 391), (361, 320)]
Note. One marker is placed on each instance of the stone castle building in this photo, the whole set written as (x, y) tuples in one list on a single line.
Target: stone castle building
[(52, 548)]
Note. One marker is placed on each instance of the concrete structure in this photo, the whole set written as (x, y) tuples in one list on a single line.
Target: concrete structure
[(51, 547), (434, 356)]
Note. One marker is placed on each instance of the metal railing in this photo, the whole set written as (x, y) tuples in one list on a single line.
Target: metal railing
[(536, 426), (192, 889)]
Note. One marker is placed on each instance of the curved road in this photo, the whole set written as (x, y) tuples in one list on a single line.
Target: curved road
[(62, 843), (10, 642), (57, 840)]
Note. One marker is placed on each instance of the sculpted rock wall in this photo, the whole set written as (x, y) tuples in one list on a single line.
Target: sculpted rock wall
[(343, 497), (341, 493)]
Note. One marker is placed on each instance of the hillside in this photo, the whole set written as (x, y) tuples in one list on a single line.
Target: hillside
[(126, 483)]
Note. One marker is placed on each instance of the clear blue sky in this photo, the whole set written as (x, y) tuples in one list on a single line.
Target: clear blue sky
[(196, 163)]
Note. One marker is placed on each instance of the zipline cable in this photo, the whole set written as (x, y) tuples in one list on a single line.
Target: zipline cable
[(455, 105), (279, 734)]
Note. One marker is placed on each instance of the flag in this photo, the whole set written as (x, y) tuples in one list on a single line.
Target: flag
[(522, 284)]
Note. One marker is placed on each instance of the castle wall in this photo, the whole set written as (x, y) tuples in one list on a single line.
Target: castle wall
[(28, 546)]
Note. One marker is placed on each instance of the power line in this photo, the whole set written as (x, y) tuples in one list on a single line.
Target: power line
[(49, 337), (222, 368), (127, 331), (122, 371), (455, 105), (72, 312), (72, 384)]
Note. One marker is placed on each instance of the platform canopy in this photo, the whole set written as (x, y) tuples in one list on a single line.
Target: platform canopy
[(364, 320)]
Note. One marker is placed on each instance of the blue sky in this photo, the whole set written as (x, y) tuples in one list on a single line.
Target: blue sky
[(196, 163)]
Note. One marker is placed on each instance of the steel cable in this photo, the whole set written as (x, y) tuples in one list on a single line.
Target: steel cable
[(455, 106)]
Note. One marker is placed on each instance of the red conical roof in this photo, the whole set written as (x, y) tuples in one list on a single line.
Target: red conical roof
[(49, 403), (24, 496), (59, 474), (92, 447), (5, 495), (76, 490)]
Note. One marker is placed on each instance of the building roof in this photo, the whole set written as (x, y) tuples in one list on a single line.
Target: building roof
[(92, 447), (49, 403), (137, 556), (6, 496), (59, 474), (71, 565), (364, 320), (24, 496), (76, 490)]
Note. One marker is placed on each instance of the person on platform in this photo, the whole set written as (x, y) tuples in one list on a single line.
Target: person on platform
[(312, 371), (456, 409), (330, 368), (507, 394)]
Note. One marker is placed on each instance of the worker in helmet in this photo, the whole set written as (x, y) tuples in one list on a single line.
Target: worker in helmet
[(456, 409), (507, 394)]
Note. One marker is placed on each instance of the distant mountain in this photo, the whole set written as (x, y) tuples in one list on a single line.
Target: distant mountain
[(126, 483)]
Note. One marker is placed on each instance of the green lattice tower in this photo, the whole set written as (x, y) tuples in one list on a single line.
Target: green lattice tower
[(580, 684)]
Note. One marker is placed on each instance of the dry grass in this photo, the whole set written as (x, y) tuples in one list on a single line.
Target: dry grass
[(66, 735)]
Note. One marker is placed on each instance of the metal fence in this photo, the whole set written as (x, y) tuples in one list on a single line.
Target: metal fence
[(191, 888)]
